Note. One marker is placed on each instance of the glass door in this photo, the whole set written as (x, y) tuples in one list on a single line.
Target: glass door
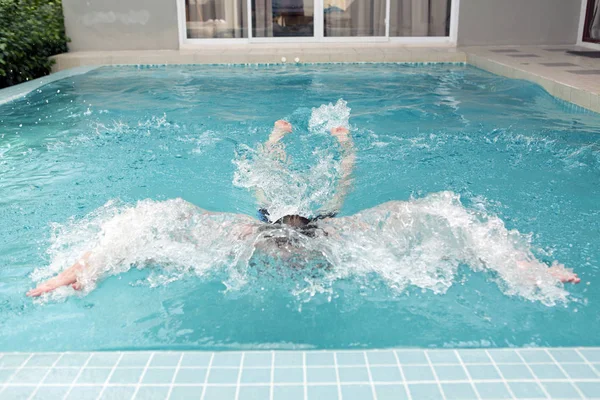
[(342, 18), (216, 19), (283, 18), (260, 21), (421, 18)]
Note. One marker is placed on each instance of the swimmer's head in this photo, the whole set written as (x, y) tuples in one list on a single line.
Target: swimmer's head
[(295, 221)]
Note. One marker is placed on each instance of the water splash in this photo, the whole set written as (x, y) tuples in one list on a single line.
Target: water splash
[(287, 189), (329, 116), (402, 244), (284, 190)]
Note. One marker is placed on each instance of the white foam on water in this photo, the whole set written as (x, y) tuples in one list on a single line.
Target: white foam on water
[(174, 234), (422, 242)]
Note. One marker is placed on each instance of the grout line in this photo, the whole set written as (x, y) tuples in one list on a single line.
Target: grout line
[(266, 384), (304, 375), (239, 378), (72, 384), (46, 375), (212, 356), (589, 364), (271, 389), (137, 387), (437, 380), (500, 373), (19, 369), (468, 374), (409, 396), (565, 373), (323, 366), (534, 375), (177, 368), (370, 376), (112, 371), (337, 376)]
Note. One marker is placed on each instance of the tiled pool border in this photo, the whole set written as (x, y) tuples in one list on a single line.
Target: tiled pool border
[(415, 374)]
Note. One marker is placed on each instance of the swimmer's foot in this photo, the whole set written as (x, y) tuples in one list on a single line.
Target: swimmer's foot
[(340, 133)]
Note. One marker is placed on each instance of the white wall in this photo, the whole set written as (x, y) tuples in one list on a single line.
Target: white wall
[(152, 24), (496, 22), (121, 24)]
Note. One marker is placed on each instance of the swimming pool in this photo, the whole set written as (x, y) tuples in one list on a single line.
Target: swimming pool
[(78, 150)]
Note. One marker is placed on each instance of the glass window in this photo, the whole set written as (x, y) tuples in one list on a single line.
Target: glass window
[(216, 18), (592, 24), (281, 18), (354, 17), (420, 17)]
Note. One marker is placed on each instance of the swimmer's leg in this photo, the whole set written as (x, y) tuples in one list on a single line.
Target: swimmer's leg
[(65, 278), (347, 166), (275, 150)]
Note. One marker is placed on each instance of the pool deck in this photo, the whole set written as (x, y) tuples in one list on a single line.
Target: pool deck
[(571, 78), (536, 373)]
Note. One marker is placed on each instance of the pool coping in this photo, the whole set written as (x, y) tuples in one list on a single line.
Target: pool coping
[(18, 91), (576, 91), (512, 373)]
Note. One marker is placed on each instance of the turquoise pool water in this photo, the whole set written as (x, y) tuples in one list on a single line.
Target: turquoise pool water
[(78, 151)]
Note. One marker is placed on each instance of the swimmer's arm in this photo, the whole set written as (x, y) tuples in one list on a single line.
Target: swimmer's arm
[(65, 278)]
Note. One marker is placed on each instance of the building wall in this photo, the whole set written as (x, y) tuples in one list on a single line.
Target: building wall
[(490, 22), (152, 24), (121, 24)]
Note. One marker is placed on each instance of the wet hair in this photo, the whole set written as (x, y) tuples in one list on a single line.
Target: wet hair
[(295, 221), (303, 225)]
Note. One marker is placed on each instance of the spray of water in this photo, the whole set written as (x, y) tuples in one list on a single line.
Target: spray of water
[(419, 243), (329, 116), (415, 243), (286, 189)]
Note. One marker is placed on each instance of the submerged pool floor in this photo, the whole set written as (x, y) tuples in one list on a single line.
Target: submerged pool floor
[(79, 150), (556, 373)]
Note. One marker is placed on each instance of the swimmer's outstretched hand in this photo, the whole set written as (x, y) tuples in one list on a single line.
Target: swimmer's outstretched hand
[(65, 278), (557, 270), (565, 275)]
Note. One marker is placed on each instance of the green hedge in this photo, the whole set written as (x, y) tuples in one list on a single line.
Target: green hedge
[(30, 32)]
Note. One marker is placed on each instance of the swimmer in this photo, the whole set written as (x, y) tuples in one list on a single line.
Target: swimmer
[(396, 230)]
